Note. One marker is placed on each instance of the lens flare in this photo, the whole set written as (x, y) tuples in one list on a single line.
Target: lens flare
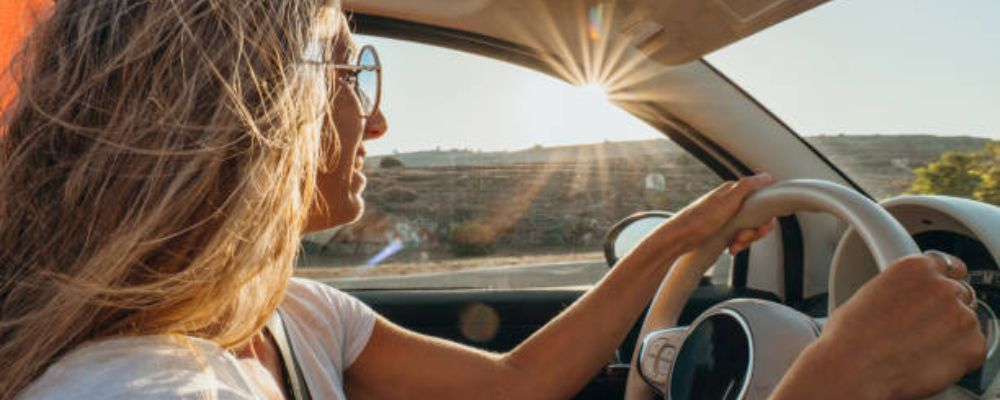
[(596, 21), (479, 323), (589, 44), (596, 44), (388, 251)]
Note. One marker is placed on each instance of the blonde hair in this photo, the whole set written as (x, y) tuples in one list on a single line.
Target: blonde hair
[(155, 173)]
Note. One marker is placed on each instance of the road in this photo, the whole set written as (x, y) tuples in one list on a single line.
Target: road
[(569, 273)]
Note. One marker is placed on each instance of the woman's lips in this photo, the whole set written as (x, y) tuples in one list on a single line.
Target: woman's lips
[(359, 159)]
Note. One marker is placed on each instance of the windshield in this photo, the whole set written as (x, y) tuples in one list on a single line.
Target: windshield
[(505, 182), (900, 94)]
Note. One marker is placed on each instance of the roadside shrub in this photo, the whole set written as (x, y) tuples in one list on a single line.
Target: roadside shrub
[(973, 175), (553, 235), (398, 194), (471, 239), (390, 162)]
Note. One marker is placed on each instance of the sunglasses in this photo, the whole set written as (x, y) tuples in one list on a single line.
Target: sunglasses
[(364, 75)]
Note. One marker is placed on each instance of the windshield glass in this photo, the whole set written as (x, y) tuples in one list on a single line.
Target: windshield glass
[(496, 176), (900, 94)]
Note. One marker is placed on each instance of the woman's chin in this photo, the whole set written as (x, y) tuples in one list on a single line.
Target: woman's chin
[(346, 211), (350, 210)]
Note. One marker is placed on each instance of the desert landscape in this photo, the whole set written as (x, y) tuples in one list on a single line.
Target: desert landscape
[(446, 210)]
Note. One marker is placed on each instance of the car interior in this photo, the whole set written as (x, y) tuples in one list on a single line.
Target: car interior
[(733, 337), (649, 56), (822, 252)]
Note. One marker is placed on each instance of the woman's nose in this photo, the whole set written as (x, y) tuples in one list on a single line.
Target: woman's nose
[(376, 126)]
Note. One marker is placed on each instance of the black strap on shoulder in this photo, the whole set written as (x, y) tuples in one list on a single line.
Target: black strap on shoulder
[(295, 383)]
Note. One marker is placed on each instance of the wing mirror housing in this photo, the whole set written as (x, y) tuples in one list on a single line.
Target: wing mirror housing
[(627, 233)]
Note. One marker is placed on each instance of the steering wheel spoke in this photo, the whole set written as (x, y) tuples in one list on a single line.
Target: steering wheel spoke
[(657, 355)]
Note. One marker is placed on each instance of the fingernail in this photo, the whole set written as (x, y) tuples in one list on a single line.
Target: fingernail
[(763, 177), (935, 252)]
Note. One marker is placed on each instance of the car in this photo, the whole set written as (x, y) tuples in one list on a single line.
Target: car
[(489, 202)]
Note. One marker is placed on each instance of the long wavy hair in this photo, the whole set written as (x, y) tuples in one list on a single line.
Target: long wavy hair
[(157, 167)]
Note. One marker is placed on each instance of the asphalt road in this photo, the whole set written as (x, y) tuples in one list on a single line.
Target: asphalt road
[(571, 273)]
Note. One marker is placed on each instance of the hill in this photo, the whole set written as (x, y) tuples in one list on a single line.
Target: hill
[(537, 154), (552, 198), (884, 165)]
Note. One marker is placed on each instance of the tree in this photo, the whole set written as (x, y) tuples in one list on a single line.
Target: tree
[(989, 189), (974, 175), (951, 175), (390, 162), (397, 194), (471, 238)]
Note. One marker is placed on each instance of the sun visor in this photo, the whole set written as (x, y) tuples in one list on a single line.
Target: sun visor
[(680, 31), (670, 31)]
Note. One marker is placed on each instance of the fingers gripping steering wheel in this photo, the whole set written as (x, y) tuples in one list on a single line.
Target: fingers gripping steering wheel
[(882, 234)]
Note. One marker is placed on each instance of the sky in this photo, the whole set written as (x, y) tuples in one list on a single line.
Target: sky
[(431, 96), (846, 67), (883, 66)]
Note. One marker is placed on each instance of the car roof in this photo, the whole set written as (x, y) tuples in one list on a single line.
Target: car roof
[(670, 31)]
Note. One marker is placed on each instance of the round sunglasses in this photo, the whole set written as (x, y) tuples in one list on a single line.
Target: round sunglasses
[(364, 75)]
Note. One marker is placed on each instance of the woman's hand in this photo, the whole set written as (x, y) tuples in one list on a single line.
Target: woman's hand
[(705, 217), (907, 333)]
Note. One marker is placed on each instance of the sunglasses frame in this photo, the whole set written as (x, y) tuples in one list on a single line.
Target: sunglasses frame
[(354, 69), (357, 68)]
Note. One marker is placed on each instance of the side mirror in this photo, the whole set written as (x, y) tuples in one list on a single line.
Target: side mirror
[(627, 233)]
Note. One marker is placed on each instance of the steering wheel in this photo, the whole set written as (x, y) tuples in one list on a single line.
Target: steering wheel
[(885, 238)]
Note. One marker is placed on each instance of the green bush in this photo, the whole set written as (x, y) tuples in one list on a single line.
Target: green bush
[(471, 239), (553, 235), (390, 162), (989, 189), (397, 194), (974, 175)]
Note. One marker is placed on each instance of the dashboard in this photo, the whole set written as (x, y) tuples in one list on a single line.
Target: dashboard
[(967, 229), (984, 275)]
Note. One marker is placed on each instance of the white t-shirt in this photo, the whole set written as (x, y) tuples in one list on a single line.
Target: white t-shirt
[(328, 330)]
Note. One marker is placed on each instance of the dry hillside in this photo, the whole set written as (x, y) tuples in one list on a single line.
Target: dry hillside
[(562, 199)]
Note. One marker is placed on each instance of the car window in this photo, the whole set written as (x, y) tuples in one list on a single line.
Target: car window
[(496, 176), (900, 94)]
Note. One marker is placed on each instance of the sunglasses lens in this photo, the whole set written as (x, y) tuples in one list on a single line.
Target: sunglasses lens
[(368, 80)]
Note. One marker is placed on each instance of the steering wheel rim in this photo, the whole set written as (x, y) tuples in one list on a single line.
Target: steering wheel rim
[(884, 236)]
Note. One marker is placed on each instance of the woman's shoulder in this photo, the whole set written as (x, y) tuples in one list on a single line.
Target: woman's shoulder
[(318, 296), (312, 288), (324, 319), (152, 367)]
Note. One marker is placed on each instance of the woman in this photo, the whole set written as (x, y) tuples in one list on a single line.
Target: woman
[(162, 160)]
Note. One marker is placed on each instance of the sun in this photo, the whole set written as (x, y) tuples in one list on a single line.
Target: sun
[(594, 92)]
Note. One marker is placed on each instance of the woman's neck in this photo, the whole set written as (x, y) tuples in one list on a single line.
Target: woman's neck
[(263, 350)]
